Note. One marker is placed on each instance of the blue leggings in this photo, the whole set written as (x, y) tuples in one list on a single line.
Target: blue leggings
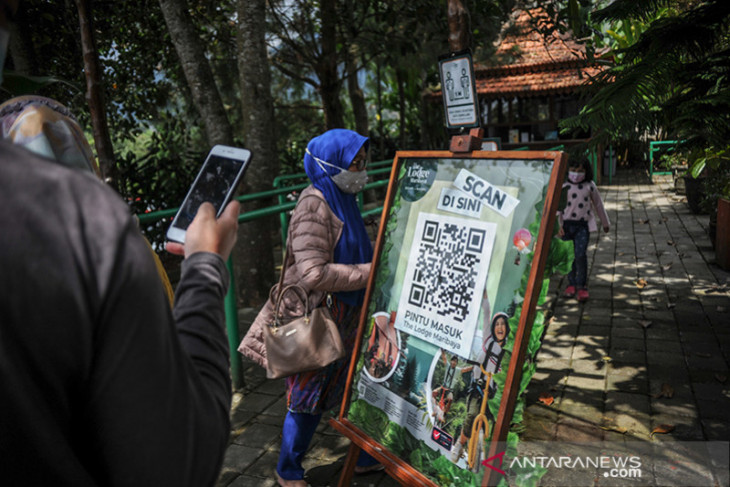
[(577, 231), (296, 435)]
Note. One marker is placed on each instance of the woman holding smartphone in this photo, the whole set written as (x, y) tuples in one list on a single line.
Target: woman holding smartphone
[(329, 254)]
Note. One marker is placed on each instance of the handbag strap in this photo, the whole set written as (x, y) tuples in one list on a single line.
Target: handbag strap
[(297, 288), (281, 290)]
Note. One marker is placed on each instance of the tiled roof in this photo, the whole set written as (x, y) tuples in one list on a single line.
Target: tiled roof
[(534, 83), (532, 64)]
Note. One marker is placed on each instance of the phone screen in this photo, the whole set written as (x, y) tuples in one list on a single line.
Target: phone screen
[(213, 184)]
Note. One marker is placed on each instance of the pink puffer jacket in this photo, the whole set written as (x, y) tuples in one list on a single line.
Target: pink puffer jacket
[(313, 234)]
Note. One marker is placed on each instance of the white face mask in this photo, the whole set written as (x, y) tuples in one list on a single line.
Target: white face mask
[(350, 182), (576, 177), (4, 40)]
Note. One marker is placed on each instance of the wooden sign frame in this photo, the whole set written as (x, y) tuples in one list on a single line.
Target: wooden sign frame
[(469, 164)]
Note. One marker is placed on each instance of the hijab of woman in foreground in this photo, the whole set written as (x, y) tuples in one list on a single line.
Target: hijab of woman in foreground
[(47, 128)]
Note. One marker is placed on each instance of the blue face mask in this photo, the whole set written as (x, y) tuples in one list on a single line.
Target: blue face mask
[(4, 41)]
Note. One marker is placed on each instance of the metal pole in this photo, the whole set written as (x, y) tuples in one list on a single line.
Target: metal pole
[(610, 163), (231, 310)]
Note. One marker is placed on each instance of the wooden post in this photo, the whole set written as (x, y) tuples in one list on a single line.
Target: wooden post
[(467, 143)]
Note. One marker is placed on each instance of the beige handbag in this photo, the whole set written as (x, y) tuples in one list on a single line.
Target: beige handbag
[(306, 343)]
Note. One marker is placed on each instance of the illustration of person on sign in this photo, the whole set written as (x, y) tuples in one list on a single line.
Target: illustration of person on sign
[(443, 395), (449, 85), (465, 85), (478, 413)]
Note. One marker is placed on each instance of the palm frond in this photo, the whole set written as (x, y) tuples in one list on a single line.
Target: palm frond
[(629, 9)]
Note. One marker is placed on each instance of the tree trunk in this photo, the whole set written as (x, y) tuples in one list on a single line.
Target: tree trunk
[(458, 18), (198, 72), (357, 98), (21, 47), (95, 95), (329, 86), (254, 258)]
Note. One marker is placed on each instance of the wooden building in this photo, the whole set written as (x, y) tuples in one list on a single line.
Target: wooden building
[(535, 85)]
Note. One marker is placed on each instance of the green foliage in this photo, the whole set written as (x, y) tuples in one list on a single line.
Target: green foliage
[(157, 168), (372, 420), (560, 257), (715, 165), (673, 80), (400, 442), (16, 84)]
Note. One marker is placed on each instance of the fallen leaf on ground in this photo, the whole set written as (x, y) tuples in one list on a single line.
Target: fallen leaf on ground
[(664, 218), (642, 221), (609, 425), (662, 429), (641, 283), (671, 305), (587, 317), (667, 391), (721, 378), (546, 398), (607, 359), (715, 288), (645, 324), (667, 267), (671, 242)]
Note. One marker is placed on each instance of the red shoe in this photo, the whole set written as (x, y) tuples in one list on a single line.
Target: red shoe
[(583, 295), (569, 292)]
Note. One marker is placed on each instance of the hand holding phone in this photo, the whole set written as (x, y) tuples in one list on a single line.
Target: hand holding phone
[(210, 234), (216, 183)]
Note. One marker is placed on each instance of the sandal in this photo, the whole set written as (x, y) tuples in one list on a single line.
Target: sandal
[(289, 483)]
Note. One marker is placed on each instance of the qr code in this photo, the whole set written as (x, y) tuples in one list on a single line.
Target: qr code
[(446, 268)]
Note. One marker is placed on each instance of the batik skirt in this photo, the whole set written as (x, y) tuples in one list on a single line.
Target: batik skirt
[(321, 390)]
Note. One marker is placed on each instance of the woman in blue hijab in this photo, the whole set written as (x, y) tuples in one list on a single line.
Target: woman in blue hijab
[(329, 254), (335, 164)]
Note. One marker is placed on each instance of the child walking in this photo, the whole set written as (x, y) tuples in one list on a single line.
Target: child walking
[(577, 221)]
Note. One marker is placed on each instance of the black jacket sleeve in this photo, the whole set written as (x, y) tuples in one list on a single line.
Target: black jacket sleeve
[(161, 388)]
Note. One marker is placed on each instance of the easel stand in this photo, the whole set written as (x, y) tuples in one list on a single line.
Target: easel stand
[(467, 143), (394, 467)]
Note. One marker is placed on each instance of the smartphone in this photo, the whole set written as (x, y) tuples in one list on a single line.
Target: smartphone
[(216, 183)]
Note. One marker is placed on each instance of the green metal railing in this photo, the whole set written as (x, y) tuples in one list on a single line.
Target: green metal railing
[(656, 146)]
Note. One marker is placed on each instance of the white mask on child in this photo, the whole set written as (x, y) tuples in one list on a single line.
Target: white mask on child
[(348, 181), (576, 177)]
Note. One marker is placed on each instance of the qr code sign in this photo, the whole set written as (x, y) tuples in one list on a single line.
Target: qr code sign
[(445, 272)]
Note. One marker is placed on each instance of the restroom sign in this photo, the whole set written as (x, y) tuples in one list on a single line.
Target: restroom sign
[(458, 90)]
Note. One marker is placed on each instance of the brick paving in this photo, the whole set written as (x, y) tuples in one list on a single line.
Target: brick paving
[(658, 321)]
